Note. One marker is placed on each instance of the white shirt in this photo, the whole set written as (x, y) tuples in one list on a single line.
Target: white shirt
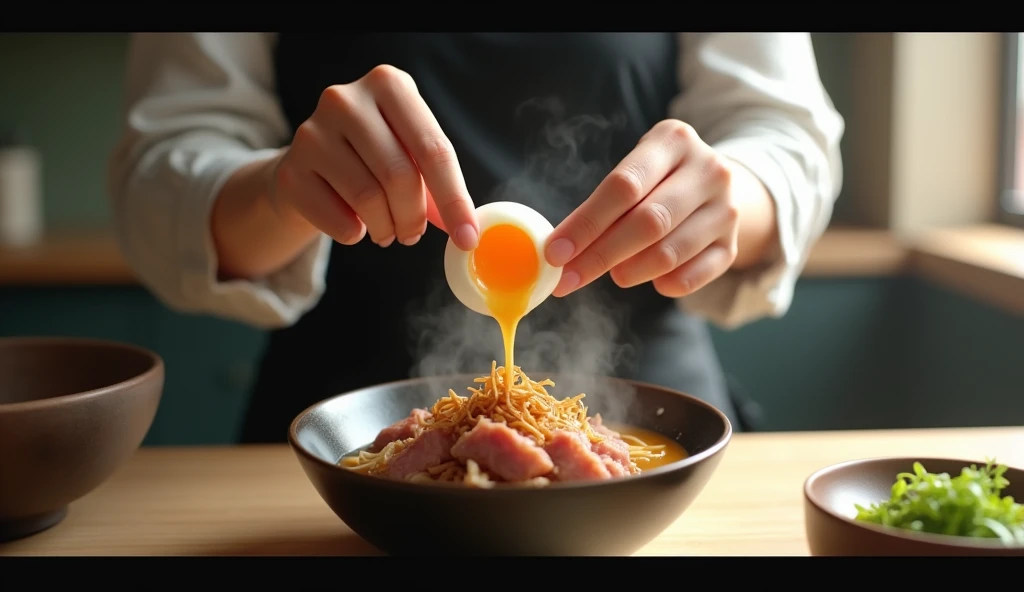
[(200, 105)]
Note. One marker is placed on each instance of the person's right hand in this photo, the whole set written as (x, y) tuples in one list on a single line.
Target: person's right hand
[(372, 159)]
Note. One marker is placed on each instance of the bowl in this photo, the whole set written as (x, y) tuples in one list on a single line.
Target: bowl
[(613, 517), (71, 412), (831, 493)]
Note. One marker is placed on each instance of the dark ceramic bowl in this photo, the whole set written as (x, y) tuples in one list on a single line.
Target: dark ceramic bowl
[(615, 517), (831, 493), (71, 412)]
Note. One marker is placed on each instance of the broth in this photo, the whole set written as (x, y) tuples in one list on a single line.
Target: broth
[(674, 451)]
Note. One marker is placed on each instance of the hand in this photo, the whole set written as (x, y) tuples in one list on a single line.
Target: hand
[(666, 214), (372, 159)]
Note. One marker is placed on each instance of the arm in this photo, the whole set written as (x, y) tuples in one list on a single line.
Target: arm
[(202, 129), (758, 100)]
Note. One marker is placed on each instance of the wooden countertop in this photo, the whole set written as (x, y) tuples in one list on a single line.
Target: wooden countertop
[(257, 501), (78, 257), (93, 257), (985, 262)]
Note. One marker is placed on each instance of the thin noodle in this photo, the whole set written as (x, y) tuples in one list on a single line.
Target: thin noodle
[(526, 407)]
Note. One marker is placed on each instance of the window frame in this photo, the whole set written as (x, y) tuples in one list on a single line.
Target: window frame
[(1009, 130)]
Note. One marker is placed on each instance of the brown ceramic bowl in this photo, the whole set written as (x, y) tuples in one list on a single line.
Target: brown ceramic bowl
[(71, 412), (831, 493), (615, 517)]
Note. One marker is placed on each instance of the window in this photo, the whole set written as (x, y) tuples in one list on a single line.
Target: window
[(1012, 180)]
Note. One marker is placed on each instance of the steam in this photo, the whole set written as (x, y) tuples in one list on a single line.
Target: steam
[(583, 336)]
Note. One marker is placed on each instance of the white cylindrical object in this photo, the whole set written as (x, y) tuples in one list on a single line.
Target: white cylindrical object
[(21, 200)]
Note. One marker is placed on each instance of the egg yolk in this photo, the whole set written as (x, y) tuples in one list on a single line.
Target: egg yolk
[(506, 266)]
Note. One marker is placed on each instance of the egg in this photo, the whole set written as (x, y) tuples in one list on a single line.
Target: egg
[(509, 259), (506, 276)]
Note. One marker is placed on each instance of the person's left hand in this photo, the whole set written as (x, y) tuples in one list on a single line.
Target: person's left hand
[(666, 214)]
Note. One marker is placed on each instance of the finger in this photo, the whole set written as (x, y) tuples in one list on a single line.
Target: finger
[(651, 220), (352, 180), (387, 160), (654, 157), (315, 199), (412, 121), (433, 216), (696, 273), (685, 242)]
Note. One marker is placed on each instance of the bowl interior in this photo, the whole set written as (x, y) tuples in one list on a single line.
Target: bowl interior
[(612, 517), (840, 488), (342, 424), (37, 369)]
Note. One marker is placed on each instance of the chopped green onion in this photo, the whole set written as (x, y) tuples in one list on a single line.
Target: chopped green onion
[(967, 505)]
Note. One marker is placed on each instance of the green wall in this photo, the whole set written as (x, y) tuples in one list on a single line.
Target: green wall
[(881, 353), (62, 92), (865, 353)]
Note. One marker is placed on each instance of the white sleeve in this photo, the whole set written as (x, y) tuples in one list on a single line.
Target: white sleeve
[(757, 98), (198, 106)]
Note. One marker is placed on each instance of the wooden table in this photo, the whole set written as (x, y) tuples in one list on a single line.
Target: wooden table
[(255, 500)]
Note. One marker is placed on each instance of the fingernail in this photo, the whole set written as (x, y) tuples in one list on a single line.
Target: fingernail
[(559, 252), (568, 283), (412, 241), (465, 237), (387, 242), (354, 239)]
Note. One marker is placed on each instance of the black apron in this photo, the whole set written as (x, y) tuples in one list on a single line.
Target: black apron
[(537, 118)]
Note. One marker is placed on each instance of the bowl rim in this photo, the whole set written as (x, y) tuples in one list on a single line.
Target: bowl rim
[(456, 489), (943, 540), (156, 367)]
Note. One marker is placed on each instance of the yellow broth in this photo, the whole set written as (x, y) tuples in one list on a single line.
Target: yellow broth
[(673, 450)]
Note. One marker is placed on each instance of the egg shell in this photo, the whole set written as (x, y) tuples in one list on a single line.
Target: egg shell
[(456, 261)]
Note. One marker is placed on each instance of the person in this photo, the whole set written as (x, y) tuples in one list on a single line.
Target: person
[(307, 184)]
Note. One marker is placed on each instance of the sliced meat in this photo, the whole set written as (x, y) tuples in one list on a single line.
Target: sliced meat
[(502, 452), (402, 429), (615, 468), (598, 425), (430, 448), (613, 447), (595, 420), (573, 458)]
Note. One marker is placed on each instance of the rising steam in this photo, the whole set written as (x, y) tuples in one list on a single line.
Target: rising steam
[(584, 334)]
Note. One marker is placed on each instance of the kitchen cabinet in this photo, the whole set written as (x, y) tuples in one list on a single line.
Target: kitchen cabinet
[(210, 363), (867, 353)]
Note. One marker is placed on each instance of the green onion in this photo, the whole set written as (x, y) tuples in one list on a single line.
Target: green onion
[(968, 505)]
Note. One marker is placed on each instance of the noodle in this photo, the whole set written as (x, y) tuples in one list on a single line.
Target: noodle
[(525, 406)]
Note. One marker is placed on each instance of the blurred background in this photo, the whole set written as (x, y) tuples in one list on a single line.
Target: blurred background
[(910, 312)]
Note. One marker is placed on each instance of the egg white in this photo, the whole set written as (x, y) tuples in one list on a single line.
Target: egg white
[(456, 261)]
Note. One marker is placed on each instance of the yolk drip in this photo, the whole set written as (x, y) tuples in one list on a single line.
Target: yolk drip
[(506, 267)]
